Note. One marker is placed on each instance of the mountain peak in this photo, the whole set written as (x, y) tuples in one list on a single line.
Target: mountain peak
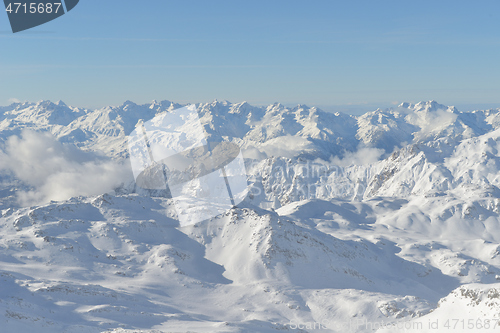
[(223, 102), (429, 106), (44, 103), (128, 102), (406, 105)]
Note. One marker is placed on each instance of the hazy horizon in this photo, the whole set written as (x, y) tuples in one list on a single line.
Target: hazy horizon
[(352, 109), (321, 53)]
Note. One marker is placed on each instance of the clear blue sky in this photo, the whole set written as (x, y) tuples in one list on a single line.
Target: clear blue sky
[(314, 52)]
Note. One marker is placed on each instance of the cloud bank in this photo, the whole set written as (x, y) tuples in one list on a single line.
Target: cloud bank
[(362, 156), (55, 171)]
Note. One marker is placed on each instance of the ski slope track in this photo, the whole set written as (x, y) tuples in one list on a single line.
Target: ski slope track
[(385, 222)]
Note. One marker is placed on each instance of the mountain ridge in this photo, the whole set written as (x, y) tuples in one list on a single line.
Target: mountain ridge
[(317, 133), (391, 217)]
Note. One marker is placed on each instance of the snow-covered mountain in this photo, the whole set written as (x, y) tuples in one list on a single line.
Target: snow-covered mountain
[(306, 131), (351, 224)]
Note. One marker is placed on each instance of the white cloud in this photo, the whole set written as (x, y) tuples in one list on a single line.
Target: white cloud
[(362, 156), (431, 123), (437, 121), (13, 100), (286, 146), (57, 172)]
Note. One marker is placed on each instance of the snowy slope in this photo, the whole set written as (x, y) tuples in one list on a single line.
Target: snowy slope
[(352, 224), (127, 264)]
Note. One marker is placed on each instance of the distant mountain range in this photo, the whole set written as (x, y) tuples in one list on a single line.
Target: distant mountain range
[(316, 133)]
